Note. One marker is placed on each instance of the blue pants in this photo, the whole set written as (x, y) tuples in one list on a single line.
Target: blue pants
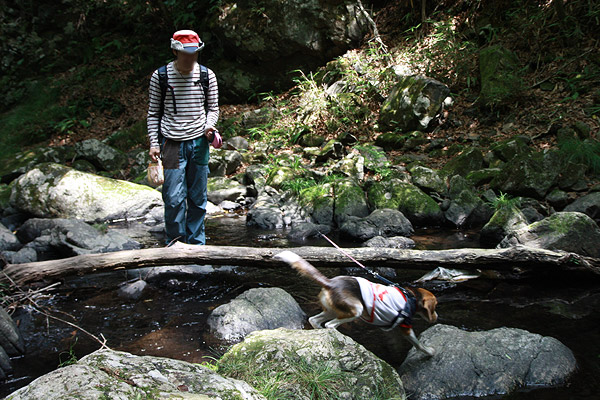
[(184, 192)]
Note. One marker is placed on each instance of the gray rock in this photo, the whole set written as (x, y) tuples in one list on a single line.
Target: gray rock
[(8, 240), (13, 167), (359, 374), (24, 255), (588, 204), (504, 221), (530, 175), (70, 237), (416, 205), (101, 155), (428, 180), (220, 189), (558, 199), (56, 191), (466, 208), (305, 230), (412, 104), (330, 150), (265, 213), (469, 160), (394, 242), (132, 291), (118, 375), (375, 157), (224, 162), (254, 310), (229, 205), (10, 336), (236, 143), (568, 231), (283, 36), (476, 364), (381, 222)]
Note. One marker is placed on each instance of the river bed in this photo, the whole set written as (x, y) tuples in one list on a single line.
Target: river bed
[(169, 319)]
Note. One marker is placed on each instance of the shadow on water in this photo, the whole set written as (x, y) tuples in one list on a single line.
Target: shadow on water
[(169, 320)]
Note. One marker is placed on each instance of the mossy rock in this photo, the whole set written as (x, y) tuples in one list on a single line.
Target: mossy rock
[(483, 176), (471, 159), (412, 104), (466, 208), (508, 149), (331, 150), (427, 179), (504, 221), (568, 231), (15, 166), (499, 70), (416, 205), (414, 139), (530, 175), (290, 362), (319, 202), (279, 175), (375, 156), (391, 140), (350, 200)]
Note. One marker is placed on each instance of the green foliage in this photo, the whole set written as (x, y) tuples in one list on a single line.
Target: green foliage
[(504, 201), (132, 137), (585, 152), (297, 185), (69, 356)]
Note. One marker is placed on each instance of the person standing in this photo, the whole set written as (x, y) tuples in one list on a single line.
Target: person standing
[(182, 113)]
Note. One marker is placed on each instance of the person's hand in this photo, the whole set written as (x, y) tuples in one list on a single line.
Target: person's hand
[(154, 153), (210, 134)]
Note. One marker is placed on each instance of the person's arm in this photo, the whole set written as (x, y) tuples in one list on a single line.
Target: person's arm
[(154, 116), (212, 105)]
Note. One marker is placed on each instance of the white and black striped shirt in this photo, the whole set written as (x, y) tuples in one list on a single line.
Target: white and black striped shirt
[(191, 119)]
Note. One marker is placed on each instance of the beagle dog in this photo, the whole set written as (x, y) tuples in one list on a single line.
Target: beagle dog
[(346, 298)]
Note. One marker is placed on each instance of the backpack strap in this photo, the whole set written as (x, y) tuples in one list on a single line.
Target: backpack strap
[(204, 83), (163, 81)]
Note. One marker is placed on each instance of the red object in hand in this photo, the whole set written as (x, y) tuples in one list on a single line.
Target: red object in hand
[(217, 141)]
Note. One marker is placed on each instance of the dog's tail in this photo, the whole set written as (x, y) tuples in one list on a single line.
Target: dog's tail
[(304, 268)]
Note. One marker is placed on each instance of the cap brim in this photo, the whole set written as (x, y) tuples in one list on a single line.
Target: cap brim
[(191, 49)]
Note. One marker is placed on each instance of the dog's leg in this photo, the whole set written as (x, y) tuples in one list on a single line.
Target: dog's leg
[(334, 323), (409, 334), (317, 320)]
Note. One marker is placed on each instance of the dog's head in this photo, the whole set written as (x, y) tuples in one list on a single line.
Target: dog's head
[(426, 303)]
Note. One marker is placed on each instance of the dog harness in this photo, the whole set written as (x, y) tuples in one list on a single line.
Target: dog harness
[(387, 306)]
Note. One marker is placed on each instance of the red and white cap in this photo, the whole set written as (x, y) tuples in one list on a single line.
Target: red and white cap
[(187, 41)]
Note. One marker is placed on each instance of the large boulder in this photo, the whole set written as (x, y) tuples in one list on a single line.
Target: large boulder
[(416, 205), (499, 69), (101, 155), (412, 104), (13, 167), (300, 358), (394, 242), (224, 162), (588, 204), (466, 207), (381, 222), (319, 202), (108, 374), (469, 160), (8, 240), (265, 213), (504, 221), (71, 237), (475, 364), (568, 231), (254, 310), (428, 180), (263, 41), (529, 175), (350, 200), (221, 188), (11, 343), (53, 190)]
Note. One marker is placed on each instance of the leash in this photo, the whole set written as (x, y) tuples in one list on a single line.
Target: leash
[(374, 274)]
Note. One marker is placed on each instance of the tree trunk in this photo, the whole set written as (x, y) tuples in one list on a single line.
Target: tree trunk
[(499, 259)]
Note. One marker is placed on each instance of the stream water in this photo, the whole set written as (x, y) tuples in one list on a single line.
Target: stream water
[(169, 319)]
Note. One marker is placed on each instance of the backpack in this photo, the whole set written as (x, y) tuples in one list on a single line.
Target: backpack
[(163, 81)]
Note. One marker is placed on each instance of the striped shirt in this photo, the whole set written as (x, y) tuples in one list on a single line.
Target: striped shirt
[(191, 119)]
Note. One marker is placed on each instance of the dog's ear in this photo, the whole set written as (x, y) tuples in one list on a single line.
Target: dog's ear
[(426, 303)]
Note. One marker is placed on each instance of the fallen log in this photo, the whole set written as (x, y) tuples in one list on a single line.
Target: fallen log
[(470, 259)]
